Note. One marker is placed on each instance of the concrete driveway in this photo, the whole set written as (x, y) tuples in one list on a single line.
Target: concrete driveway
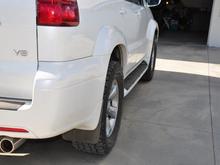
[(173, 120)]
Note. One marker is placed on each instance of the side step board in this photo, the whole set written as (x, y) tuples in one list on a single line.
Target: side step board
[(132, 79)]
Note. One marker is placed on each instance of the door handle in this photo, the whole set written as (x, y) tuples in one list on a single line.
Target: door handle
[(138, 13), (122, 11)]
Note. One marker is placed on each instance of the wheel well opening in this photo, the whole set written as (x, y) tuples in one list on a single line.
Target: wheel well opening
[(117, 55)]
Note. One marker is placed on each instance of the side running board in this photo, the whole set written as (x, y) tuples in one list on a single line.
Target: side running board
[(132, 79)]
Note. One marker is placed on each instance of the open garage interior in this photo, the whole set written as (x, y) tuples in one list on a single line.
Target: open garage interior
[(184, 21)]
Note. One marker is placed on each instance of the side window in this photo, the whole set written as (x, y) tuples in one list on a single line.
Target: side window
[(137, 2)]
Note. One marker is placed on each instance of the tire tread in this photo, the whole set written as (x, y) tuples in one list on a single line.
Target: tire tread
[(103, 146)]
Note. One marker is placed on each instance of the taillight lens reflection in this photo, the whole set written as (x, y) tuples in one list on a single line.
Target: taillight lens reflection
[(58, 13)]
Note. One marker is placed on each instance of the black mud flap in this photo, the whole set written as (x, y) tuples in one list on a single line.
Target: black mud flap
[(77, 135)]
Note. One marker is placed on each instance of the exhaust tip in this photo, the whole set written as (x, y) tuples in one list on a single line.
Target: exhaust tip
[(6, 146)]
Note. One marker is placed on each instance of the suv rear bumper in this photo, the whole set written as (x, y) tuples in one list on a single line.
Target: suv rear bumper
[(67, 95)]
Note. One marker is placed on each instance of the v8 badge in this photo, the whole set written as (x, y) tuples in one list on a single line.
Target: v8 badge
[(23, 53)]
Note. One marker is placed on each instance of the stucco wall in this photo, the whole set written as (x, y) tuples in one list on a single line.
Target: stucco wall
[(214, 33)]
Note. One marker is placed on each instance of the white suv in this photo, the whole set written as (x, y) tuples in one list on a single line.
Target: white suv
[(65, 66)]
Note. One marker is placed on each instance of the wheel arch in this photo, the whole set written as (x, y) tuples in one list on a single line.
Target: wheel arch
[(153, 29), (119, 54), (111, 43)]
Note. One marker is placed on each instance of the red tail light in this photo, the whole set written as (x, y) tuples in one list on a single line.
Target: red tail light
[(58, 13)]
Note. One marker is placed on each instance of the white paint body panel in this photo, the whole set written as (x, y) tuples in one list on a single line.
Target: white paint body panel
[(68, 86), (17, 33), (67, 95)]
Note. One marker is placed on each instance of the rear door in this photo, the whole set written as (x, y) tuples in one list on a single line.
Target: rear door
[(18, 48), (136, 22)]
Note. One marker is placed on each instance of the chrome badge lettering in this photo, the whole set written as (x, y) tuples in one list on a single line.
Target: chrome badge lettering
[(21, 52)]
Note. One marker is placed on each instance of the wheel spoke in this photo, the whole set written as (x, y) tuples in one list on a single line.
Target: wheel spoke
[(112, 108), (112, 111), (113, 92), (112, 124), (108, 126)]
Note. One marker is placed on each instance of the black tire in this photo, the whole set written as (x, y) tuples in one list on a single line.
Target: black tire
[(105, 144), (149, 74)]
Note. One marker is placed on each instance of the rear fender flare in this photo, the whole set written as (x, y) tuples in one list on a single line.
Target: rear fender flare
[(152, 28), (108, 38)]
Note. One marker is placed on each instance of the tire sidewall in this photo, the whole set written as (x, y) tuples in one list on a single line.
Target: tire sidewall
[(150, 71), (154, 53), (114, 73)]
